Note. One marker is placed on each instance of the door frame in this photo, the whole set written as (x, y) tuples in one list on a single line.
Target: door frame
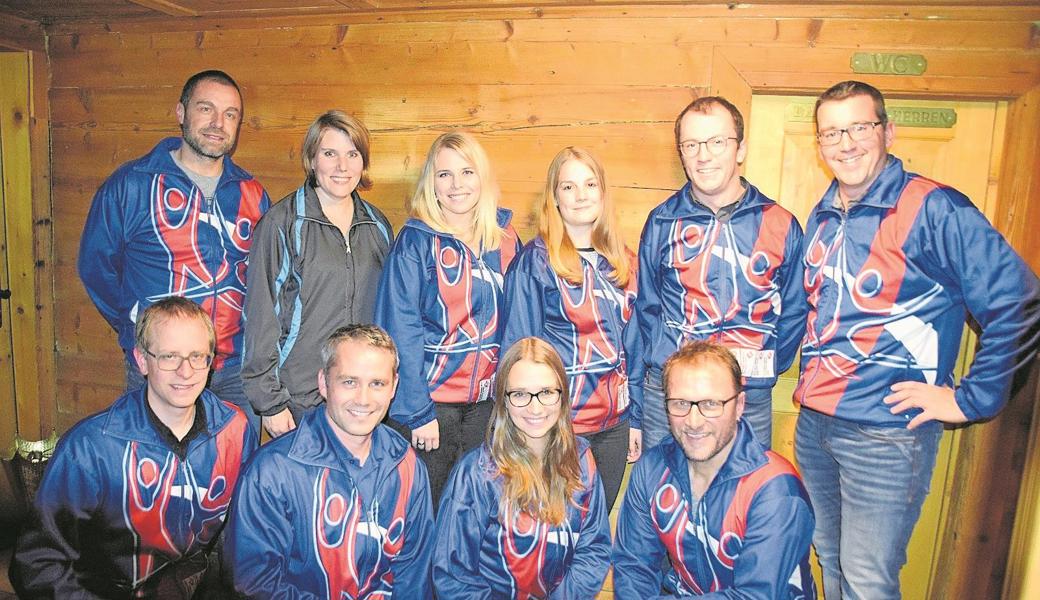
[(976, 541)]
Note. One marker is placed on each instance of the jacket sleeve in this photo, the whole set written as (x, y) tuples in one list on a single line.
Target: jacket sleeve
[(44, 563), (638, 552), (270, 271), (256, 545), (587, 571), (646, 314), (102, 249), (523, 312), (776, 541), (461, 522), (794, 306), (1000, 291), (399, 312), (411, 567)]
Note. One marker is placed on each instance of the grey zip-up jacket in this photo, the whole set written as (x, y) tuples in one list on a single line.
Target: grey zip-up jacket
[(305, 281)]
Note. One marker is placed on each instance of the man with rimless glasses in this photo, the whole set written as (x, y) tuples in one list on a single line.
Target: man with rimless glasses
[(893, 262), (729, 517), (134, 499), (718, 261)]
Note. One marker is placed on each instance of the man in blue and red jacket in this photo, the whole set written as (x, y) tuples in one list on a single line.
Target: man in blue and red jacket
[(340, 506), (730, 518), (893, 262), (134, 499), (718, 261), (179, 222)]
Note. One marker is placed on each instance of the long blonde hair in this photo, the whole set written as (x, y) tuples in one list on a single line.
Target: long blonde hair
[(424, 206), (606, 240), (541, 487)]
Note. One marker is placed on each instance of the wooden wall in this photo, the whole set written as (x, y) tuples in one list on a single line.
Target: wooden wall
[(527, 82)]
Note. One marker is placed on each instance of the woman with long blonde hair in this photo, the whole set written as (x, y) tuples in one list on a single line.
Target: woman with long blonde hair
[(523, 516), (574, 286), (439, 299)]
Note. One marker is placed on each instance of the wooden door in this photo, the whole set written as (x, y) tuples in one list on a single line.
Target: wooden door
[(957, 143)]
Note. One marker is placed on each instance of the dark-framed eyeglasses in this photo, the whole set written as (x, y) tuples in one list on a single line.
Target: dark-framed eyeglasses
[(857, 133), (709, 409), (171, 361), (715, 145), (521, 398)]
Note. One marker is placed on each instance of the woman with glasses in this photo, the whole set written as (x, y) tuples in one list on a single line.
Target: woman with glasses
[(523, 516), (313, 266), (439, 299), (574, 286)]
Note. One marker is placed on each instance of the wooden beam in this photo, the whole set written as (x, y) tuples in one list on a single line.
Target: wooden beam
[(167, 8), (17, 33)]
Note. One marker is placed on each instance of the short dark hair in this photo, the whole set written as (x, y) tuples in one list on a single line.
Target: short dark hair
[(703, 105), (351, 127), (371, 335), (848, 89), (210, 75), (700, 352)]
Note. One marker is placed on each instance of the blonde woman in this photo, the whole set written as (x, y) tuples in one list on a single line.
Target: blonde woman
[(574, 286), (439, 299), (523, 516)]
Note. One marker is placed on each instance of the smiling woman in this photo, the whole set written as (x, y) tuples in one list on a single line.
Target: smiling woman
[(313, 266)]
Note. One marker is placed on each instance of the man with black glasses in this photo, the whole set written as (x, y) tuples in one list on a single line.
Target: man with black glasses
[(717, 261), (133, 501), (724, 512), (893, 261)]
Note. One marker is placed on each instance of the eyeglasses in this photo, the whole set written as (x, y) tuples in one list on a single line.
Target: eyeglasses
[(172, 361), (857, 133), (521, 398), (709, 409), (715, 145)]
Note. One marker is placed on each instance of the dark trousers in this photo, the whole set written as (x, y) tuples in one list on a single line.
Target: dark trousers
[(610, 449), (462, 428)]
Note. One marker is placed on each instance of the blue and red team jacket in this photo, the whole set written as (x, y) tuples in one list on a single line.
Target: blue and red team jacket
[(151, 234), (116, 506), (482, 555), (588, 325), (888, 283), (302, 526), (439, 301), (748, 536), (735, 281)]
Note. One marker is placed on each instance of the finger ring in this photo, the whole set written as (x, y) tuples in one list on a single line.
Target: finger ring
[(420, 443)]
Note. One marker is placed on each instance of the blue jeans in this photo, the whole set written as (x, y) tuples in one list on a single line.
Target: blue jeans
[(758, 412), (225, 383), (867, 485)]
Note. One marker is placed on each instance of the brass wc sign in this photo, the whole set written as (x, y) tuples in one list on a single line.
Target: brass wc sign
[(882, 63)]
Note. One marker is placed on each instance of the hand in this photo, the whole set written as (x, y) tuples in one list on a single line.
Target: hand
[(635, 444), (427, 437), (279, 423), (936, 403)]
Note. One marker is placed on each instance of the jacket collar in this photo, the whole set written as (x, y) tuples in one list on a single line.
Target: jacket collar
[(158, 161), (127, 418), (746, 456), (682, 205), (312, 206), (315, 444), (883, 193), (503, 216)]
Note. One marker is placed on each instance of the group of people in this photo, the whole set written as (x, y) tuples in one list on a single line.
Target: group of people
[(453, 410)]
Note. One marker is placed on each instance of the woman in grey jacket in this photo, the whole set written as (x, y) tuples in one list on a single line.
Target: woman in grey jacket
[(314, 266)]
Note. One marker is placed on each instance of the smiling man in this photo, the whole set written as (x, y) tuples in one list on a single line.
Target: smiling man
[(717, 261), (893, 262), (338, 507), (135, 496), (731, 519), (179, 222)]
